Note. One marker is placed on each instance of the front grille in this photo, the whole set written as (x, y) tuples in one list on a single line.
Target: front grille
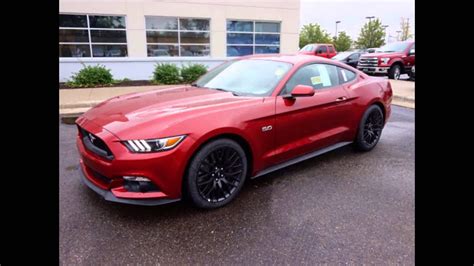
[(368, 62), (95, 144)]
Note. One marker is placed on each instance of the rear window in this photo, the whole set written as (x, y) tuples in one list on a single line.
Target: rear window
[(331, 49), (346, 75)]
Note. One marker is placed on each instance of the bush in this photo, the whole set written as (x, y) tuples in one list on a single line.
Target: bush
[(166, 74), (91, 76), (191, 73)]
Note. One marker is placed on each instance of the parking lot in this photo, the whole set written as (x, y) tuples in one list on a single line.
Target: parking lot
[(341, 207)]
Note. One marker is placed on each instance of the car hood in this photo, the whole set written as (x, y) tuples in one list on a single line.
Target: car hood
[(122, 114), (380, 55)]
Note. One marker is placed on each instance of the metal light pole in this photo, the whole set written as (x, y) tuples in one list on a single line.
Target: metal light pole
[(398, 35), (370, 26), (385, 31), (337, 22)]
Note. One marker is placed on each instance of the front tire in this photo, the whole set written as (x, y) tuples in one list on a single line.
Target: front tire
[(395, 72), (370, 129), (216, 174)]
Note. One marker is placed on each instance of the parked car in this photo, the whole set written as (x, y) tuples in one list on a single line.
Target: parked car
[(243, 119), (392, 59), (319, 49), (350, 58)]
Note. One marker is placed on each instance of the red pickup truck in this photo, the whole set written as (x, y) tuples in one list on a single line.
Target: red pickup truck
[(392, 59), (319, 49)]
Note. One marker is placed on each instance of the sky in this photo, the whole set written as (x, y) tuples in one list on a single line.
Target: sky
[(352, 14)]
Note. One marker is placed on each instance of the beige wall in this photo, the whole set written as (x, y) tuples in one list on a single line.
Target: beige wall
[(286, 11)]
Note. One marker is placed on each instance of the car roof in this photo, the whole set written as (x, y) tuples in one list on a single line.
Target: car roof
[(295, 59)]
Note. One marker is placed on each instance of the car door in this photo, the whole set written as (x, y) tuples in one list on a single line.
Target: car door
[(332, 51), (304, 124), (322, 51)]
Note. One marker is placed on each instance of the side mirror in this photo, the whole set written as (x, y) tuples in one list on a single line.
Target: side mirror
[(301, 91)]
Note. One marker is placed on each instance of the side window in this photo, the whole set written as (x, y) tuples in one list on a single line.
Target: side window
[(346, 75), (354, 56), (318, 76), (331, 49), (322, 49)]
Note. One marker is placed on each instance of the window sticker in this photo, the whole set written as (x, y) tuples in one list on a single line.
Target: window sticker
[(324, 76), (316, 80), (344, 75)]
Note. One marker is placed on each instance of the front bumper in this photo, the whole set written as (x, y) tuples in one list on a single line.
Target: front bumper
[(105, 175), (373, 70), (109, 196)]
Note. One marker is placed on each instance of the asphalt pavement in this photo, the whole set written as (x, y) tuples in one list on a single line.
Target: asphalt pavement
[(341, 207)]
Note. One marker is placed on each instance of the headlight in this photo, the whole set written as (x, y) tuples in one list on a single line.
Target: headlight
[(385, 60), (153, 145)]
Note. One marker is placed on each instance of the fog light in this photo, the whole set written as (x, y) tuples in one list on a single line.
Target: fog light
[(138, 184), (136, 178)]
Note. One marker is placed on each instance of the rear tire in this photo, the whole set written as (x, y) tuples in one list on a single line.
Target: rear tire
[(370, 129), (216, 174), (395, 72)]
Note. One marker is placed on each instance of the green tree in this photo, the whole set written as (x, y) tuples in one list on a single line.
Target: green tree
[(313, 33), (405, 28), (371, 35), (343, 42)]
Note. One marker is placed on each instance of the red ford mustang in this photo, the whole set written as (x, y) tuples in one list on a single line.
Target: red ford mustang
[(243, 119)]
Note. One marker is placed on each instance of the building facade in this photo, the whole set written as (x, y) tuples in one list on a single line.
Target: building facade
[(131, 36)]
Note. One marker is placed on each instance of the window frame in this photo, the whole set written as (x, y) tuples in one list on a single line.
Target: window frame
[(88, 28), (320, 47), (253, 33), (178, 31)]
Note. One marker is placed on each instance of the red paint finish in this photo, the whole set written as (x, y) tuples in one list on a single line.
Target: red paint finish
[(298, 125), (321, 49)]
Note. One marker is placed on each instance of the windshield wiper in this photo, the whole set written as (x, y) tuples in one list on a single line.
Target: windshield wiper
[(220, 89)]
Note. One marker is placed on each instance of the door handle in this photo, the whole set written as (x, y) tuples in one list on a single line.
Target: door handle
[(341, 99)]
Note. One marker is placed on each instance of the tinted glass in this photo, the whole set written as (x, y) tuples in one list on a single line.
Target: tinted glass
[(195, 50), (318, 76), (162, 37), (79, 21), (73, 36), (331, 49), (322, 49), (194, 24), (162, 50), (112, 22), (239, 50), (267, 49), (161, 23), (341, 55), (354, 56), (109, 50), (267, 39), (308, 48), (195, 37), (112, 36), (73, 50), (246, 77), (267, 27), (233, 25), (239, 38)]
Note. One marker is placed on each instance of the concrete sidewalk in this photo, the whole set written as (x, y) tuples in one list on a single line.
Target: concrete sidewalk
[(73, 102)]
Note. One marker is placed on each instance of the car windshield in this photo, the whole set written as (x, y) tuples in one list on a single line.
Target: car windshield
[(245, 77), (393, 47), (342, 55), (308, 48)]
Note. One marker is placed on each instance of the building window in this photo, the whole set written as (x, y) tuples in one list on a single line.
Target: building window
[(252, 37), (92, 36), (172, 36)]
